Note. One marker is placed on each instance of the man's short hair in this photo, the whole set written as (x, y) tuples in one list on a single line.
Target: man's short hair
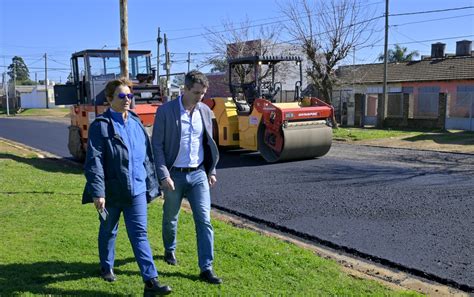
[(195, 77)]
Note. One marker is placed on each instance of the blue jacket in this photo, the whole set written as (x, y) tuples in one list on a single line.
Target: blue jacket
[(167, 135), (106, 166)]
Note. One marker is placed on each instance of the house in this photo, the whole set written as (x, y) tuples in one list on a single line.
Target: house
[(434, 92), (36, 97), (218, 85)]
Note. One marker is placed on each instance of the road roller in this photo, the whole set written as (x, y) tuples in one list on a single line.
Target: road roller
[(252, 119)]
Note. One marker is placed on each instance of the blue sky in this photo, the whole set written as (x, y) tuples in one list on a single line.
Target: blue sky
[(30, 28)]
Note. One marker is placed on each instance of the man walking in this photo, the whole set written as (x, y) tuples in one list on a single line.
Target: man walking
[(186, 157)]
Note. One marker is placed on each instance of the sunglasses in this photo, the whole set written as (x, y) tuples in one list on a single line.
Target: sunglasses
[(123, 95)]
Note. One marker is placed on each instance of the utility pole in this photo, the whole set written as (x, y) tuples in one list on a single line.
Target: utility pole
[(382, 103), (124, 38), (14, 86), (46, 78), (5, 87), (189, 60), (158, 42), (168, 66)]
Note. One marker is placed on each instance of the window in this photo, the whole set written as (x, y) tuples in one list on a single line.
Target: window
[(462, 105), (395, 105), (426, 103)]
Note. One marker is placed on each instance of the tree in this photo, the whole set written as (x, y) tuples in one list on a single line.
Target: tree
[(326, 32), (218, 65), (19, 67), (399, 54), (240, 40)]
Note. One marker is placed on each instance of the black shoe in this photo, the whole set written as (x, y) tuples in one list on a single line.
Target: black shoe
[(210, 277), (170, 258), (108, 275), (153, 288)]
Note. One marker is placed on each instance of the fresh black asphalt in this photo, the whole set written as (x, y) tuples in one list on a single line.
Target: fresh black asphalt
[(406, 208)]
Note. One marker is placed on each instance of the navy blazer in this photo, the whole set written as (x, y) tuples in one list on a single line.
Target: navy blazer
[(167, 134), (106, 166)]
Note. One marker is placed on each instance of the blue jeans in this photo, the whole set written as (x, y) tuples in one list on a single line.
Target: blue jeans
[(195, 186), (136, 223)]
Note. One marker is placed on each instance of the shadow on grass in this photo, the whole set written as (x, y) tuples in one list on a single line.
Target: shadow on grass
[(459, 138), (46, 164), (39, 277)]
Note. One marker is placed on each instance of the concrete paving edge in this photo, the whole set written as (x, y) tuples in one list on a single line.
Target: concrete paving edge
[(356, 267)]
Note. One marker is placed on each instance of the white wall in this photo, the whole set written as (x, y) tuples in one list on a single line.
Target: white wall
[(36, 99)]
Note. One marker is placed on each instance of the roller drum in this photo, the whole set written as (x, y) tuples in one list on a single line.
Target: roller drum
[(299, 142)]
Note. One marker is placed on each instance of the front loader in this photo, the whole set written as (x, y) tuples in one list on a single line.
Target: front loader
[(251, 118), (91, 70)]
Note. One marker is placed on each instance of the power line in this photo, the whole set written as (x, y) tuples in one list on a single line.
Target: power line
[(406, 36), (242, 27), (49, 58), (432, 11), (36, 61), (258, 20), (283, 21), (41, 68), (372, 45), (437, 39), (433, 20)]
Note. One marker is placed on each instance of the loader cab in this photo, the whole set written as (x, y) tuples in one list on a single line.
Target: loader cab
[(253, 77), (92, 69)]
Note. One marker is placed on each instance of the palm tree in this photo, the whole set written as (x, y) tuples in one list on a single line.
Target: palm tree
[(399, 54)]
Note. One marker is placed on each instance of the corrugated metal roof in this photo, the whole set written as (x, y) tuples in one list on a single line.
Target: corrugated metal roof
[(452, 68)]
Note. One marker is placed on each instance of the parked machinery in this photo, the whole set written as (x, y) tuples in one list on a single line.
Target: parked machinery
[(91, 70), (252, 119)]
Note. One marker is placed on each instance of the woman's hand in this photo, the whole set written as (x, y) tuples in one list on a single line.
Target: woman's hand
[(99, 203)]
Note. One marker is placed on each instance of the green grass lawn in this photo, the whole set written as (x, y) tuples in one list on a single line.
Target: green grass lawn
[(442, 137), (54, 112), (49, 246), (355, 134), (3, 111)]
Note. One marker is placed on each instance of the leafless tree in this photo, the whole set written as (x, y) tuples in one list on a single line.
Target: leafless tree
[(243, 39), (327, 30)]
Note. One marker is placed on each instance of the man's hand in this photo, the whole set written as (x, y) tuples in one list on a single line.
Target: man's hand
[(167, 184), (99, 203), (212, 180)]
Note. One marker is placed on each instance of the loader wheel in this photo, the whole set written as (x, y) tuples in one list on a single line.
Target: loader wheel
[(75, 144)]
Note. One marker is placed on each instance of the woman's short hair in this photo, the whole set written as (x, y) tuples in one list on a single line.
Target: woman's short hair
[(113, 84), (195, 77)]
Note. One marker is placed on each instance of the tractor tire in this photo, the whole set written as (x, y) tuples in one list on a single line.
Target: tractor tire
[(75, 145)]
